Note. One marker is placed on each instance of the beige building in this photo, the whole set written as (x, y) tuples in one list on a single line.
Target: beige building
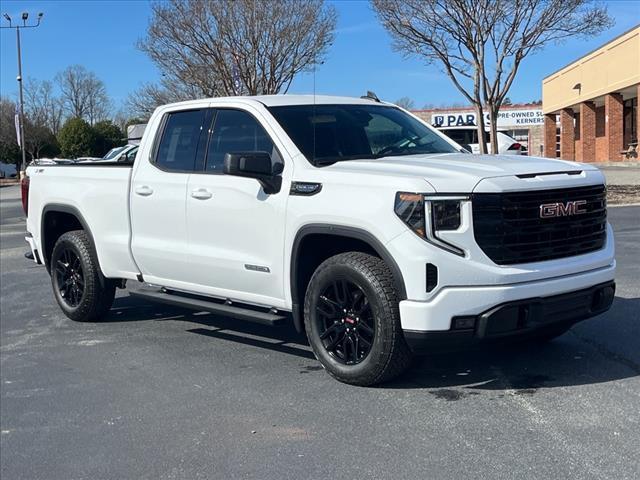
[(591, 105)]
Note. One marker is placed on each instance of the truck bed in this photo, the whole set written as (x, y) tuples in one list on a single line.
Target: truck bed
[(99, 193)]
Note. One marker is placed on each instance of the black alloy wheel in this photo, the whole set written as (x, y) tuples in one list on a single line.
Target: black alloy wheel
[(345, 322), (79, 287), (352, 319), (70, 277)]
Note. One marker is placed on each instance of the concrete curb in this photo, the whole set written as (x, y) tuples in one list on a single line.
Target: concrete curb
[(616, 164)]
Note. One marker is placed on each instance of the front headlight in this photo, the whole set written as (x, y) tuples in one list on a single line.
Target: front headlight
[(446, 214), (410, 208), (427, 215)]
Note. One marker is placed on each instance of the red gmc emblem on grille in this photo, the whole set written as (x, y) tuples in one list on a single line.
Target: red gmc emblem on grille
[(549, 210)]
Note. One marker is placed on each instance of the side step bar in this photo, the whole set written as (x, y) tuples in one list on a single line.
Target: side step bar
[(206, 304)]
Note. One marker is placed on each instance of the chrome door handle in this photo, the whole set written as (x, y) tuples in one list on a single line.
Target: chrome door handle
[(144, 190), (201, 194)]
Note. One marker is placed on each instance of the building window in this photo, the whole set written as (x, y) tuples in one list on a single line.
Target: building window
[(630, 121)]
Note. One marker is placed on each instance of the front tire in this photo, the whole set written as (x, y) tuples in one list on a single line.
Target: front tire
[(82, 292), (352, 320)]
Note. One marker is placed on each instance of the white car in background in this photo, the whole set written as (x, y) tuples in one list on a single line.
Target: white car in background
[(8, 170), (124, 154), (468, 138)]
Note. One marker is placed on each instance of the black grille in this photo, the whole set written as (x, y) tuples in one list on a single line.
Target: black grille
[(509, 229)]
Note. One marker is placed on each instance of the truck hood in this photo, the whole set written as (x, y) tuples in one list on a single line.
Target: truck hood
[(458, 172)]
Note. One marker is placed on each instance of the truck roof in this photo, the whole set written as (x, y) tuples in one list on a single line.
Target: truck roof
[(282, 100)]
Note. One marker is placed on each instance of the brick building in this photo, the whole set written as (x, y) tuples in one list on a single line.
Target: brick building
[(591, 106)]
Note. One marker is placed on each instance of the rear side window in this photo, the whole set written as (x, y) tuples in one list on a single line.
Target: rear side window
[(179, 144), (235, 131)]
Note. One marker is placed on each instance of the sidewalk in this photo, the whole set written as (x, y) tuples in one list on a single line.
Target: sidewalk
[(623, 183), (621, 175)]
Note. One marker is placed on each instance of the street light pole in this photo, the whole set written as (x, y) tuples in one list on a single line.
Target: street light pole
[(23, 166), (25, 16)]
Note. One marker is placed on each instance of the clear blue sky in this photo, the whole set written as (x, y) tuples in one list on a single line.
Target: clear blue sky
[(101, 35)]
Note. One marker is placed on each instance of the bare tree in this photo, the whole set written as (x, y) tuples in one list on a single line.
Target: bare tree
[(83, 93), (480, 44), (238, 47), (42, 106), (149, 96), (9, 149), (37, 137), (406, 103)]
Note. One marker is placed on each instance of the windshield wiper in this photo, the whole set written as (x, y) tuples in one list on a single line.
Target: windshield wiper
[(405, 153), (331, 160)]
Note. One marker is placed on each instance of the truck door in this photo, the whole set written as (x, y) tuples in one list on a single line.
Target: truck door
[(236, 230), (158, 197)]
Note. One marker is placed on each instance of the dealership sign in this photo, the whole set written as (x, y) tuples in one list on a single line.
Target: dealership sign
[(521, 118)]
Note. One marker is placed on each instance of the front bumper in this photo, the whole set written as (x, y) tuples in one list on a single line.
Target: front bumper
[(516, 320), (437, 312)]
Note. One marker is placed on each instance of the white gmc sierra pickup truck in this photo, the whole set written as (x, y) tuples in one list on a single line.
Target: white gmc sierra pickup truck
[(365, 227)]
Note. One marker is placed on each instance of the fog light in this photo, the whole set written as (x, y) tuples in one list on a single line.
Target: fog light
[(464, 323), (602, 298)]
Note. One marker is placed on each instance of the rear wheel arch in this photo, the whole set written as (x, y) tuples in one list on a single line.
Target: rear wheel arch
[(58, 219), (331, 240)]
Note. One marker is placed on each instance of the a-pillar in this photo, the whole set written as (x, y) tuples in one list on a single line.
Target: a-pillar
[(613, 131), (550, 135), (588, 131), (567, 135)]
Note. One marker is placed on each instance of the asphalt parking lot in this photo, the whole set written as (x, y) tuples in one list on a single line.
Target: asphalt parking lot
[(159, 392)]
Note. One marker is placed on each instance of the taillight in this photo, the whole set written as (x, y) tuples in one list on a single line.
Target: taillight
[(515, 146), (24, 188)]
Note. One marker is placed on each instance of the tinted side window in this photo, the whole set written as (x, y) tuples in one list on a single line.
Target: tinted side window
[(179, 144), (235, 131)]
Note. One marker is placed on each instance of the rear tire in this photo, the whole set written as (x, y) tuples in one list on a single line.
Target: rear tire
[(352, 320), (82, 292)]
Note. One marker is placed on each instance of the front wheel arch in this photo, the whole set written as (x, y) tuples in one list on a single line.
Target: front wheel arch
[(346, 239)]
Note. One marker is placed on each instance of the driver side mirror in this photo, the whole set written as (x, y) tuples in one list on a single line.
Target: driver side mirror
[(256, 165)]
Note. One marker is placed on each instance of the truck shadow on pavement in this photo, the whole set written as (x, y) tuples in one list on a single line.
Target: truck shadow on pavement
[(282, 339), (587, 354)]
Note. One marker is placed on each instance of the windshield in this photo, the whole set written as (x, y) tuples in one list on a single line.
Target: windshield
[(327, 134), (113, 152)]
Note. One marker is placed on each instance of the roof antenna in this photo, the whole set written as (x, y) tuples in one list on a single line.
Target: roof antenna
[(371, 96)]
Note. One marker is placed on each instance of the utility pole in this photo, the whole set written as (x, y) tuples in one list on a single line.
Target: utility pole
[(25, 16)]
